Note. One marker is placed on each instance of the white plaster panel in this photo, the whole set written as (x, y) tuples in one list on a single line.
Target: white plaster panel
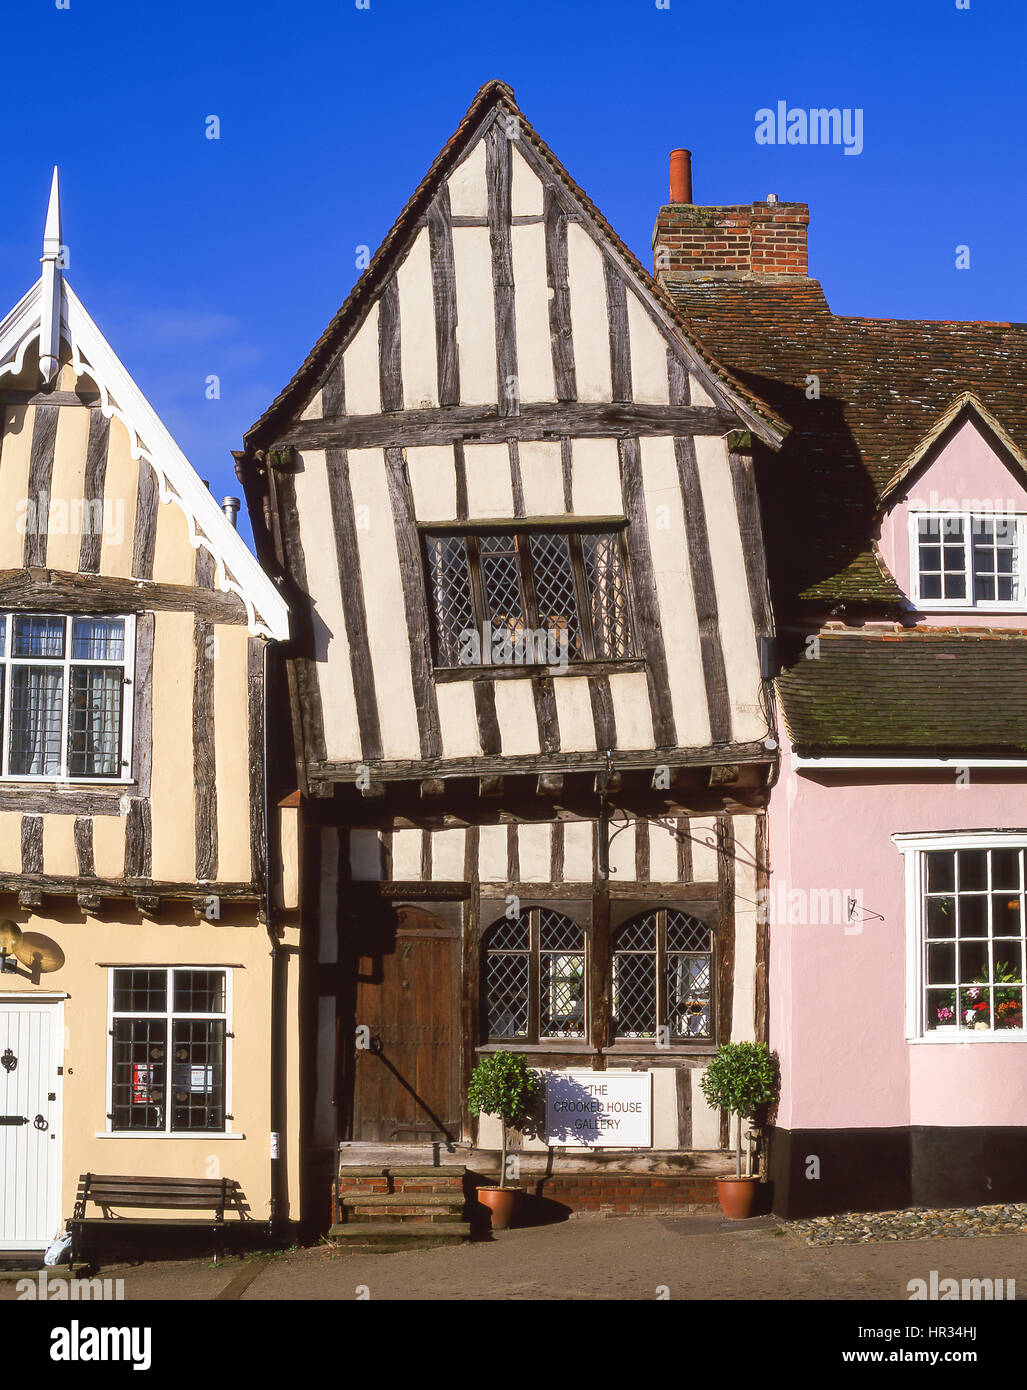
[(489, 482), (531, 314), (432, 474), (577, 851), (629, 693), (492, 854), (476, 319), (533, 853), (574, 712), (384, 604), (334, 673), (590, 327), (649, 379), (468, 192), (541, 477), (360, 368), (595, 478), (737, 630), (669, 549), (417, 353)]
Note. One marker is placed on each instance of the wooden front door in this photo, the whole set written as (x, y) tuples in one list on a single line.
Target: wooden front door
[(406, 1083)]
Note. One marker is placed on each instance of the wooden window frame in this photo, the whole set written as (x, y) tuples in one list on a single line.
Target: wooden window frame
[(522, 532), (534, 1036), (970, 601), (660, 954)]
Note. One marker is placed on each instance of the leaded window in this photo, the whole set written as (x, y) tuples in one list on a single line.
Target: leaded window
[(534, 977), (64, 697), (538, 597), (169, 1039), (972, 940), (663, 976)]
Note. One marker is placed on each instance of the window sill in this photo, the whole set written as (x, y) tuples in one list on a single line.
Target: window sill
[(158, 1134), (970, 1038), (57, 784), (446, 674), (550, 1045)]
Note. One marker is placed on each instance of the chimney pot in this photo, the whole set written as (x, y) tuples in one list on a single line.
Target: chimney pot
[(230, 506), (681, 176)]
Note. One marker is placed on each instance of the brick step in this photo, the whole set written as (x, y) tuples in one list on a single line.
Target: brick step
[(384, 1237)]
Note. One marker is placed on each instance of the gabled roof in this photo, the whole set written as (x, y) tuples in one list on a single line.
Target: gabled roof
[(52, 301), (964, 407), (492, 96), (936, 691), (884, 386)]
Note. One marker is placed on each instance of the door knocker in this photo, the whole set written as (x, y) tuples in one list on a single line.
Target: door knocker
[(41, 1122), (8, 1061)]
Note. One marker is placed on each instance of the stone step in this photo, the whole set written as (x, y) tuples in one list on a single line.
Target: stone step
[(413, 1213), (384, 1237), (450, 1174)]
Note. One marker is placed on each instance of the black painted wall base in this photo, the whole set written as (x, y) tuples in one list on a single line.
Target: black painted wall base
[(822, 1172)]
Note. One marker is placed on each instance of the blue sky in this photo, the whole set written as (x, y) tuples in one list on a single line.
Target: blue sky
[(229, 256)]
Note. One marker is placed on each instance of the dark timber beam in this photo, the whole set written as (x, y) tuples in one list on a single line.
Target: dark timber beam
[(484, 424)]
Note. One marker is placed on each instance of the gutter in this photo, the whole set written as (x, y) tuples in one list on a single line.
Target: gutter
[(277, 961), (871, 764)]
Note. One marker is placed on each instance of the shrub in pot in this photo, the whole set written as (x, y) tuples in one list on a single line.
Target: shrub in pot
[(742, 1079), (502, 1084)]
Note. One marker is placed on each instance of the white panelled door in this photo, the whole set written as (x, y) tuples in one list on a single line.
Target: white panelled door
[(30, 1178)]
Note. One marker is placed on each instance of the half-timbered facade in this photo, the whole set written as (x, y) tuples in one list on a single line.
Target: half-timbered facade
[(135, 970), (513, 505)]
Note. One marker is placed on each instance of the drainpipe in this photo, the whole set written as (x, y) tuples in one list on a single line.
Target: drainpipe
[(277, 962)]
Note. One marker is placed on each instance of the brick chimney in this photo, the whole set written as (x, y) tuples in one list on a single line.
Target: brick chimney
[(748, 240)]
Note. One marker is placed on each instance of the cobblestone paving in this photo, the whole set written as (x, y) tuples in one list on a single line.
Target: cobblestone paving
[(914, 1223)]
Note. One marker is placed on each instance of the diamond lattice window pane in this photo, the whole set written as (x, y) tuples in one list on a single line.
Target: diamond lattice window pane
[(506, 990), (554, 588), (634, 994), (638, 935), (559, 933), (684, 933), (562, 984), (510, 934), (607, 588), (688, 994), (452, 604), (501, 581)]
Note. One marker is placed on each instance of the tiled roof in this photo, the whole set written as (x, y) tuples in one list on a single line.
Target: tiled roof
[(394, 246), (883, 384), (923, 690)]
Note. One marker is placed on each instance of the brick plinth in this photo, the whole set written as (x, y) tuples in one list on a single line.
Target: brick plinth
[(617, 1193)]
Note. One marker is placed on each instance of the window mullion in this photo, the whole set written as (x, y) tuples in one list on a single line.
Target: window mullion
[(534, 978), (522, 543), (581, 596), (8, 678), (473, 551), (661, 972), (168, 1050)]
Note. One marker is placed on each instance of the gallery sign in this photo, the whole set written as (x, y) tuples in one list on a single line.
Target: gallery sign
[(600, 1109)]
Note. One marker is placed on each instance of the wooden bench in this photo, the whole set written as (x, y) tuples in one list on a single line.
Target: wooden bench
[(107, 1192)]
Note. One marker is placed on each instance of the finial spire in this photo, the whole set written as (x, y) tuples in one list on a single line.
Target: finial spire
[(50, 298)]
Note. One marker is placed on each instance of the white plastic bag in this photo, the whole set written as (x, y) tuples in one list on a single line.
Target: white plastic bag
[(58, 1252)]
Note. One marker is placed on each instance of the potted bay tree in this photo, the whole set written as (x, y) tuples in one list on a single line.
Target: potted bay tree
[(742, 1079), (502, 1084)]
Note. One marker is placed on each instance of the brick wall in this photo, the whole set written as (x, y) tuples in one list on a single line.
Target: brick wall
[(750, 239), (624, 1193)]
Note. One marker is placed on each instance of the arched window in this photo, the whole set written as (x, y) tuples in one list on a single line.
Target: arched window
[(535, 977), (662, 976)]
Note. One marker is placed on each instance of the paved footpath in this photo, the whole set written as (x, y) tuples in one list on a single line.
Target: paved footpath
[(622, 1258)]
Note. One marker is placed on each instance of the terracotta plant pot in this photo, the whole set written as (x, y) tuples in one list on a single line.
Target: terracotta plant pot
[(502, 1203), (737, 1197)]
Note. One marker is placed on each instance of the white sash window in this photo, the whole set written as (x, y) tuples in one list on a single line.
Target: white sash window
[(65, 697)]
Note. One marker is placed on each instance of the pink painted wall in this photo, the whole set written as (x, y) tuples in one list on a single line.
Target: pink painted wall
[(837, 996), (966, 475)]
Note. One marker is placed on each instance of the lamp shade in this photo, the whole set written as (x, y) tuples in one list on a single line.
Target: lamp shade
[(10, 935), (38, 951)]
